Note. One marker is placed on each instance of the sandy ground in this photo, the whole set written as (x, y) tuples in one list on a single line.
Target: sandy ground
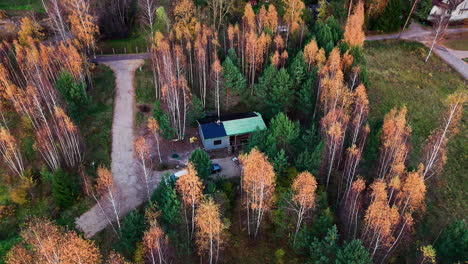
[(123, 166), (418, 33)]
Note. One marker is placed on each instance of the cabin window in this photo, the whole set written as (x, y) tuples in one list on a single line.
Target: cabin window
[(217, 142)]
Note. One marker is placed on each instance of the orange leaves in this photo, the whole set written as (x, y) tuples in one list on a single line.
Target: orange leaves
[(141, 147), (104, 180), (310, 53), (155, 242), (82, 24), (10, 152), (394, 148), (413, 190), (354, 33), (216, 67), (190, 187), (271, 19), (304, 187), (293, 14), (48, 243), (258, 184), (185, 21), (209, 228), (153, 125), (30, 30), (249, 18)]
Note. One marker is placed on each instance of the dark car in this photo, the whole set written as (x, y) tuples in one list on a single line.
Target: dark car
[(215, 168)]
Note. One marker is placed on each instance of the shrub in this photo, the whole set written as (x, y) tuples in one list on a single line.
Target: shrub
[(65, 187), (202, 163), (74, 94), (452, 245), (131, 232)]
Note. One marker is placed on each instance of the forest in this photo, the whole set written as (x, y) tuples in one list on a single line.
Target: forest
[(356, 165)]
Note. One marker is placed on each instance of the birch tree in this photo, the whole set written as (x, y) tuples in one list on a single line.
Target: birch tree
[(142, 153), (147, 10), (304, 187), (434, 151), (190, 189), (209, 234), (258, 185), (107, 189), (153, 126), (11, 152)]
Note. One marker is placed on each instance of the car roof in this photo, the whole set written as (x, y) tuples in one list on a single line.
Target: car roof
[(180, 173)]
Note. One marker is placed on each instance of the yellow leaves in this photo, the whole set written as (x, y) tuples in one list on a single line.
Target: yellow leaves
[(209, 225), (258, 180), (48, 243), (185, 23), (271, 20), (29, 30), (104, 180), (249, 18), (190, 187), (216, 67), (413, 190), (311, 52), (141, 147), (293, 14), (19, 193), (354, 33), (304, 187), (153, 125)]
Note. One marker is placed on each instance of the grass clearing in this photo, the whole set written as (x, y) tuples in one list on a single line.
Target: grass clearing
[(29, 5), (96, 127), (133, 44), (144, 87), (398, 76), (457, 44)]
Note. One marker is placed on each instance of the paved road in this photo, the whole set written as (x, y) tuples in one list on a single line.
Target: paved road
[(416, 32)]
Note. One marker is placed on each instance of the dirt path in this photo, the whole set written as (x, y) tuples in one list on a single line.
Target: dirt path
[(416, 32), (123, 166)]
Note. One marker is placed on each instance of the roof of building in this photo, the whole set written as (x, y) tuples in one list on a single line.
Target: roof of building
[(213, 130), (211, 119), (245, 125), (236, 124)]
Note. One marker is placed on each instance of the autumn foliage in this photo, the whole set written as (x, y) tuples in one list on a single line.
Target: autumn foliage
[(209, 226), (354, 33), (44, 243), (258, 185)]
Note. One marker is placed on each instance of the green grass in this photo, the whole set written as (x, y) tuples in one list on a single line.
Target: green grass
[(124, 45), (465, 60), (29, 5), (457, 44), (144, 87), (398, 76), (96, 127)]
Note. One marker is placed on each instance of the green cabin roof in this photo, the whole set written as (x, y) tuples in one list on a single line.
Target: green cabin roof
[(244, 125)]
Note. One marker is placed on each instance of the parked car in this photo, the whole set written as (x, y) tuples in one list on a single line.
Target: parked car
[(236, 161), (215, 168), (177, 175)]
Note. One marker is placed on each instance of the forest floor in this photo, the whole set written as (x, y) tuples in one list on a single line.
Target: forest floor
[(398, 76)]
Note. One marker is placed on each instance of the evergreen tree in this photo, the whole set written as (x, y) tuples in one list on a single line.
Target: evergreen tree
[(298, 71), (130, 233), (202, 163), (280, 163), (73, 93), (452, 245), (353, 253), (65, 187), (196, 111), (234, 80), (283, 133), (167, 202), (264, 83), (280, 97), (324, 251), (310, 160), (392, 18), (306, 94), (167, 131)]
